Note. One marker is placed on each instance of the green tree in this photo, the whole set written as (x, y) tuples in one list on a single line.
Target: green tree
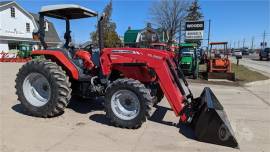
[(111, 38), (193, 12)]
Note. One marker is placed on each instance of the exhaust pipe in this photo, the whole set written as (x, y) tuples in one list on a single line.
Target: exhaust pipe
[(101, 32), (211, 124)]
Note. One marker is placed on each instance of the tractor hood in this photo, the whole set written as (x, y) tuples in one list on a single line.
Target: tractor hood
[(186, 59)]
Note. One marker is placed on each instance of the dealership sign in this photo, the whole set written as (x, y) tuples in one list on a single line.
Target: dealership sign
[(194, 30), (194, 35)]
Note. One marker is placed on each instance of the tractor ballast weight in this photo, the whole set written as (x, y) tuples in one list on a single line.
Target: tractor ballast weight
[(120, 73)]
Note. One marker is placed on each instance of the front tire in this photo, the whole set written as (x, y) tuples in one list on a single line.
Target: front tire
[(127, 103), (43, 88)]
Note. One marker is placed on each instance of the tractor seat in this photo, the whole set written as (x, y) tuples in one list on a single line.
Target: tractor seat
[(70, 54)]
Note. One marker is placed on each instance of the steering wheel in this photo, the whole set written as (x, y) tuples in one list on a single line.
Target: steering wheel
[(89, 48)]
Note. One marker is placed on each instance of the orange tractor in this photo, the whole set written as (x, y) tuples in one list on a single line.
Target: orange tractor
[(219, 67)]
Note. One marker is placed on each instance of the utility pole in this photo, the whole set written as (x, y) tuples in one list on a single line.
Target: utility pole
[(238, 44), (252, 43), (208, 39), (264, 39), (244, 42)]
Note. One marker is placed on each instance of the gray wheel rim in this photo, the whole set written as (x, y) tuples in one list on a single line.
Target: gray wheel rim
[(36, 89), (125, 104)]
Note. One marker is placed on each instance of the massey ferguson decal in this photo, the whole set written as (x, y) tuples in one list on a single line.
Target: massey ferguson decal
[(154, 56)]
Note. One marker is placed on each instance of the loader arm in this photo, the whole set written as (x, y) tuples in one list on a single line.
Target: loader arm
[(159, 61)]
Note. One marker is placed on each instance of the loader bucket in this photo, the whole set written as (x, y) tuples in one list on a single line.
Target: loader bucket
[(220, 75), (211, 123)]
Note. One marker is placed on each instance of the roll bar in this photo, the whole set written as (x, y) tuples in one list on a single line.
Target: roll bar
[(67, 12)]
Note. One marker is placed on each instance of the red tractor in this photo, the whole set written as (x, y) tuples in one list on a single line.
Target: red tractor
[(163, 46), (132, 80)]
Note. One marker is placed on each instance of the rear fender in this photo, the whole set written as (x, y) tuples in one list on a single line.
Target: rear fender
[(61, 59)]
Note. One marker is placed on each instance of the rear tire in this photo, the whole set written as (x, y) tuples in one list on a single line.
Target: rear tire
[(43, 88), (127, 103)]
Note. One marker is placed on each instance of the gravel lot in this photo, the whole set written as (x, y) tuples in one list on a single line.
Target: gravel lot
[(83, 127)]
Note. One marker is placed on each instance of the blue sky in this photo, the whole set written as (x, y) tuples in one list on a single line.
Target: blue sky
[(232, 20)]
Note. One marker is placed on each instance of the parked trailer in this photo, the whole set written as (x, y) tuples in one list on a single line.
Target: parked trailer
[(12, 57)]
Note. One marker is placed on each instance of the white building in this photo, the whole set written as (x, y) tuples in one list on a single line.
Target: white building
[(17, 25)]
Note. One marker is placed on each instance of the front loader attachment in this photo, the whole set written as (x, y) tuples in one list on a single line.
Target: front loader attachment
[(211, 124), (209, 118)]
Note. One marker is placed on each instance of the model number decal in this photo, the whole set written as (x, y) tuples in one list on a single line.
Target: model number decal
[(155, 56), (125, 51)]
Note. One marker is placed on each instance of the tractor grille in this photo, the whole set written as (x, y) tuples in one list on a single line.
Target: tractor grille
[(184, 66)]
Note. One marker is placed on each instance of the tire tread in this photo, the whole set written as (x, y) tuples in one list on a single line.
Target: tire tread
[(140, 89), (58, 77)]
